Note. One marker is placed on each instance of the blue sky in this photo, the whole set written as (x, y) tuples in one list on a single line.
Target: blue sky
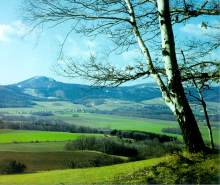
[(25, 55)]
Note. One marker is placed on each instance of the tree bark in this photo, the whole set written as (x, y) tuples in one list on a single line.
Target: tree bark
[(208, 123), (177, 102)]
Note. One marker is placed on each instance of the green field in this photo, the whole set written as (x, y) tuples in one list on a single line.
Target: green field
[(43, 161), (58, 146), (65, 111), (44, 150), (10, 136), (96, 175)]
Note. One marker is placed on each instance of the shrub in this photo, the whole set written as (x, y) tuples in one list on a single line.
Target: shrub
[(12, 167)]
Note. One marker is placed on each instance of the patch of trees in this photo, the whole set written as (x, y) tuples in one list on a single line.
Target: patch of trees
[(140, 135), (12, 167), (136, 150)]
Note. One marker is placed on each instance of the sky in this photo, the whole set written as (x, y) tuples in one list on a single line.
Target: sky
[(24, 55)]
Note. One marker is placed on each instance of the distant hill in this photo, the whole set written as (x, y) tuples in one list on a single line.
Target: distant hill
[(47, 88), (43, 88), (12, 96)]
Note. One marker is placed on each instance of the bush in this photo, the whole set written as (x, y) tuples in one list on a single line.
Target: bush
[(12, 167)]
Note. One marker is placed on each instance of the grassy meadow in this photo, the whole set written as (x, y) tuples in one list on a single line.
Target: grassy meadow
[(98, 175), (51, 146), (19, 136), (43, 161), (48, 161), (66, 111)]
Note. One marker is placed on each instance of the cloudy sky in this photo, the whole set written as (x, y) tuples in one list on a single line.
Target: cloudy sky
[(24, 55)]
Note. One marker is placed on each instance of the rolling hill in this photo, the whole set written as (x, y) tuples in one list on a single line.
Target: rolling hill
[(142, 100)]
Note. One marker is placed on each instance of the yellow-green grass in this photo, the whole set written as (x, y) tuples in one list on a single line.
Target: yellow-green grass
[(99, 175), (52, 146), (41, 161), (10, 136)]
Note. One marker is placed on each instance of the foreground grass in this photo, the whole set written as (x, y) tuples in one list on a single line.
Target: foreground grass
[(10, 136), (98, 175), (181, 168)]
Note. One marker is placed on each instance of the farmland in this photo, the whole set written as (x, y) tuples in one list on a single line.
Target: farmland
[(10, 136), (45, 152), (73, 114)]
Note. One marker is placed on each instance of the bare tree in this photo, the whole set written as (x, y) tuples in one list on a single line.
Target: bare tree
[(201, 84), (147, 24)]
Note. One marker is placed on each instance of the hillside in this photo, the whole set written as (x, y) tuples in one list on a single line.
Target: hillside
[(76, 176), (43, 87), (12, 96), (127, 173), (143, 100)]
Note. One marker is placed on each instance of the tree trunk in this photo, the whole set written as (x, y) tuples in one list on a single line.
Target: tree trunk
[(208, 123), (177, 100)]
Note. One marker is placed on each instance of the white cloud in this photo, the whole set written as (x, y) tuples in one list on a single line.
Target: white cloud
[(131, 54), (5, 31), (20, 29), (16, 29), (198, 30)]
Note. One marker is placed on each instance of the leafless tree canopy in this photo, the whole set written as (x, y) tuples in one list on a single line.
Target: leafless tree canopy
[(113, 19), (150, 26)]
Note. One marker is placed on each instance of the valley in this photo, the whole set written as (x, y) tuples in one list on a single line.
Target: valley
[(52, 131)]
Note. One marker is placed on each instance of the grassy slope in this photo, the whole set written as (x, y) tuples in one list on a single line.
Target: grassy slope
[(41, 161), (34, 147), (76, 176), (9, 136)]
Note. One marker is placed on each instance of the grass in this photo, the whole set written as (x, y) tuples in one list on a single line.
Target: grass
[(177, 169), (98, 175), (65, 110), (58, 146), (10, 136), (42, 161)]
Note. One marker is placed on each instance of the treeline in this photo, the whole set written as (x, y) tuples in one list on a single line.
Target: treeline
[(135, 150), (45, 124), (140, 135)]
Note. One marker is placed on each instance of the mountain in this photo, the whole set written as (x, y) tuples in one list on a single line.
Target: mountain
[(42, 88), (12, 96), (47, 88)]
